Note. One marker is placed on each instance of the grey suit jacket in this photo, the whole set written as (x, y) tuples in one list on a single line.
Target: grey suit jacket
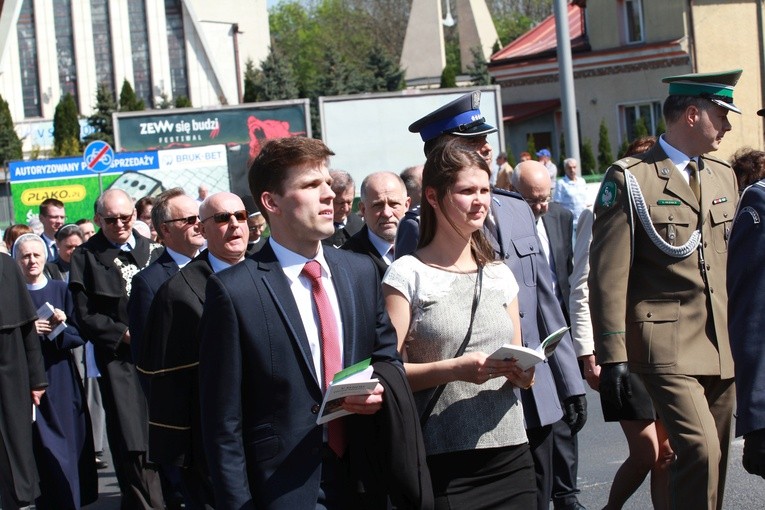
[(514, 237), (559, 224)]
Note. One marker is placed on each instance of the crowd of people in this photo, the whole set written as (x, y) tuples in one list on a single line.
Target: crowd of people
[(202, 347)]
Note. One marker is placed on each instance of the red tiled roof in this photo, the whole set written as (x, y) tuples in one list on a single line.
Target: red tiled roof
[(542, 39), (521, 111)]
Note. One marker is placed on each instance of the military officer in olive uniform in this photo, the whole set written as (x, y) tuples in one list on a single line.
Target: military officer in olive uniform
[(657, 283)]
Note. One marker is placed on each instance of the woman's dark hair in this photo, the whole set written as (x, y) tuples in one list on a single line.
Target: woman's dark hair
[(749, 166), (445, 160), (640, 145)]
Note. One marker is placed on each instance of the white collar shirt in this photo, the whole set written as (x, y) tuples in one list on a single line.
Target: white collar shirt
[(382, 246)]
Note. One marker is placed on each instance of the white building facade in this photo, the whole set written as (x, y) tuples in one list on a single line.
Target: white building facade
[(170, 48)]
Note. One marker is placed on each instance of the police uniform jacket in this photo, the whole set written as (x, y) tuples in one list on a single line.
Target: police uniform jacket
[(746, 322), (664, 315)]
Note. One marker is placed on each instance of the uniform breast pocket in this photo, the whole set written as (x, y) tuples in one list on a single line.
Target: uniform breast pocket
[(721, 217), (674, 223), (656, 335), (526, 248)]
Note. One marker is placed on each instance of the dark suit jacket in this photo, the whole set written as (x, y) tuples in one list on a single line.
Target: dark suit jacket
[(360, 243), (259, 392), (100, 296), (352, 226), (170, 357), (746, 297), (255, 247), (144, 287), (559, 224), (515, 240)]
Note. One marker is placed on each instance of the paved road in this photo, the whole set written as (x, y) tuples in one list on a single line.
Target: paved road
[(601, 449)]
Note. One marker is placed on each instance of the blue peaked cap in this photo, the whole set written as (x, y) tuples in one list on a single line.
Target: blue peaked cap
[(461, 117)]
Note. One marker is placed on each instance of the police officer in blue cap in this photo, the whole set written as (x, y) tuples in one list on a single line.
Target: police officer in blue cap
[(558, 393), (657, 283)]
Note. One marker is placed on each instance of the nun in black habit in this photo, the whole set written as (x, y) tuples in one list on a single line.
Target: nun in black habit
[(22, 380)]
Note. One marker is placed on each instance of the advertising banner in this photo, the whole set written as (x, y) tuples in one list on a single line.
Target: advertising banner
[(140, 174), (241, 129)]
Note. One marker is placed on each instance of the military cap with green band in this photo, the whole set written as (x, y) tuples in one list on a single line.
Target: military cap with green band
[(717, 87)]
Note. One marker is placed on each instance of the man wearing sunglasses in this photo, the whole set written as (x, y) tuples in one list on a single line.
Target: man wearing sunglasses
[(175, 220), (171, 348), (100, 280)]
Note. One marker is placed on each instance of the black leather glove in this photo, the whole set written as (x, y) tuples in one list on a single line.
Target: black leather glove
[(575, 412), (615, 385), (754, 452)]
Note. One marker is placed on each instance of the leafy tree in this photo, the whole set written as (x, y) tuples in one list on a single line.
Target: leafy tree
[(448, 78), (101, 120), (182, 102), (511, 158), (129, 102), (605, 157), (66, 128), (250, 77), (588, 158), (479, 71), (10, 143)]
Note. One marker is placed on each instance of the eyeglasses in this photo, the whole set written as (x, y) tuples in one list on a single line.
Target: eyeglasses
[(541, 201), (225, 217), (189, 220), (113, 221), (257, 227)]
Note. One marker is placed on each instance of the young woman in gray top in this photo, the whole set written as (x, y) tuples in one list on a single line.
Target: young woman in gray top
[(478, 453)]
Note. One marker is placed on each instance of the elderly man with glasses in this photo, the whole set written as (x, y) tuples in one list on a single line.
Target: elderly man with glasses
[(100, 279)]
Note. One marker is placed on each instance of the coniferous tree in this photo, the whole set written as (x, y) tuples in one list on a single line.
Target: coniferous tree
[(661, 127), (531, 146), (623, 148), (448, 78), (338, 77), (250, 78), (641, 128), (605, 156), (385, 75), (275, 80), (66, 128), (129, 102), (182, 102), (101, 120), (10, 143), (478, 69), (588, 157)]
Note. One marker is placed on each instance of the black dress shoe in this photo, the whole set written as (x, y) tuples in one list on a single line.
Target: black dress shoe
[(101, 463)]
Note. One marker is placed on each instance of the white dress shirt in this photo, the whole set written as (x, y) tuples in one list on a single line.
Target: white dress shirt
[(382, 246), (292, 264)]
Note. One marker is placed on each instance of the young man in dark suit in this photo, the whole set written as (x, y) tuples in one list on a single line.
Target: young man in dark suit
[(274, 330)]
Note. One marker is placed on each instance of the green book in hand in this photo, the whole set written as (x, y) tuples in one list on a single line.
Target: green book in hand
[(353, 380), (527, 357)]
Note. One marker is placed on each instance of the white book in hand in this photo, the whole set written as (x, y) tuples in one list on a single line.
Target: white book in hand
[(354, 380), (45, 312), (527, 357)]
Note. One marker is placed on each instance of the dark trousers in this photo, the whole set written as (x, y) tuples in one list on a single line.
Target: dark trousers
[(139, 484), (197, 488), (541, 444), (565, 464)]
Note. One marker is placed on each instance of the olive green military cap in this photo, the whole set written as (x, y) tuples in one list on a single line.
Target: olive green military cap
[(717, 87)]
